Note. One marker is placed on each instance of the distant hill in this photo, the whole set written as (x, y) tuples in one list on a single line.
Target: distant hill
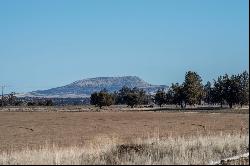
[(85, 87)]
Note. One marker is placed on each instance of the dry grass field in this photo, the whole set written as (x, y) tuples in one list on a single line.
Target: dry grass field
[(21, 129), (160, 151), (57, 132)]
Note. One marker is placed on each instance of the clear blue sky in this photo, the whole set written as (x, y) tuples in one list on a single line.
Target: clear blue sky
[(49, 43)]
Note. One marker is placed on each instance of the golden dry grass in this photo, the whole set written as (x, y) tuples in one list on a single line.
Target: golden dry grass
[(112, 150)]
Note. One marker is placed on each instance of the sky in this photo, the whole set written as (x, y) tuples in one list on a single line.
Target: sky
[(50, 43)]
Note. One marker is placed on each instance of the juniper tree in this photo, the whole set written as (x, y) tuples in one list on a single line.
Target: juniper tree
[(160, 97), (103, 98), (208, 93), (218, 94), (244, 88), (178, 96), (193, 88)]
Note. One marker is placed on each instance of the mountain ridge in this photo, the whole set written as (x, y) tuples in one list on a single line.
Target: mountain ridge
[(85, 87)]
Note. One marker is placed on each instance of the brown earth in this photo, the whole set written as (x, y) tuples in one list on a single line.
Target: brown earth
[(19, 130)]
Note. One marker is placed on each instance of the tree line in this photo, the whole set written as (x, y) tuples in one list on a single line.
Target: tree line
[(9, 99), (12, 100), (231, 90), (126, 95)]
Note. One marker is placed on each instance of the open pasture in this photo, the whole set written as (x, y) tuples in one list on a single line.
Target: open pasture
[(20, 130)]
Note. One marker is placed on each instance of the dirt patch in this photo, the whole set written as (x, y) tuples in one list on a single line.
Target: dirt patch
[(20, 130)]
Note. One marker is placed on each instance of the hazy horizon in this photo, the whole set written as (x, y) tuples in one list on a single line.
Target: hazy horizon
[(47, 44)]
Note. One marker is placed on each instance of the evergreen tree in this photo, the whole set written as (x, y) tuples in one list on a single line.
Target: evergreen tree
[(208, 93), (121, 95), (94, 98), (143, 97), (103, 98), (217, 91), (231, 89), (244, 88), (193, 88), (177, 93), (160, 97), (132, 99)]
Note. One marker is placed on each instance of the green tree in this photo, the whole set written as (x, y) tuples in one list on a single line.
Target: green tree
[(228, 88), (218, 94), (132, 99), (48, 102), (116, 97), (160, 97), (11, 98), (208, 93), (193, 88), (143, 97), (244, 88), (231, 89), (169, 97), (94, 98), (103, 98), (177, 93), (121, 95)]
